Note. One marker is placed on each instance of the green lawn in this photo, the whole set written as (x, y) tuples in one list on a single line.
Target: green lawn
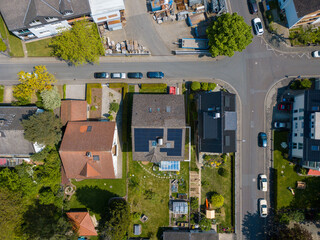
[(39, 48), (153, 88), (3, 29), (286, 176), (213, 182), (1, 93), (154, 205)]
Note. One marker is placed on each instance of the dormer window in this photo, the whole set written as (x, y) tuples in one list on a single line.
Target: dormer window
[(68, 12), (35, 22), (50, 19)]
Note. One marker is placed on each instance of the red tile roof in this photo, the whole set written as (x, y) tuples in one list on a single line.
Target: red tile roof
[(312, 172), (73, 110), (82, 223), (86, 148)]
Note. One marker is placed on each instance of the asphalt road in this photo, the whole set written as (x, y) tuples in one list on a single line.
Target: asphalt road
[(251, 73)]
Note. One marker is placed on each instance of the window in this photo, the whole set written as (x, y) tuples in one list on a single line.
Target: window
[(294, 145), (35, 22), (300, 109), (315, 108), (23, 31), (302, 124), (296, 134), (44, 32), (89, 128), (301, 134), (295, 111), (315, 148), (300, 145), (295, 118), (296, 125), (312, 116), (300, 117), (50, 19), (96, 157)]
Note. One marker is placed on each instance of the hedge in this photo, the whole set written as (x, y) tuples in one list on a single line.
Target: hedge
[(1, 93), (89, 87), (64, 91)]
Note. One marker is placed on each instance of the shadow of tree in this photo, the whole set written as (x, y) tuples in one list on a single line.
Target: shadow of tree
[(253, 227), (94, 198)]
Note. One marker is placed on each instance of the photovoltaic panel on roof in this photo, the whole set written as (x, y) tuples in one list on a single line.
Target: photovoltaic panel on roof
[(174, 135), (142, 136)]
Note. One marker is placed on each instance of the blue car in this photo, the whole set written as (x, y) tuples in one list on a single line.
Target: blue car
[(155, 74), (262, 139), (137, 75)]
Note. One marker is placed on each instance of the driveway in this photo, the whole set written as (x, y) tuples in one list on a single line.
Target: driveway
[(140, 27), (76, 92)]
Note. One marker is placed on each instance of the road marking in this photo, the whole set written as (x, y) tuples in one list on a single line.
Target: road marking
[(253, 179), (252, 124)]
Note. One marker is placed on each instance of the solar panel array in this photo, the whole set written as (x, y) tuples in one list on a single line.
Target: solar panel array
[(169, 166), (142, 136), (176, 136)]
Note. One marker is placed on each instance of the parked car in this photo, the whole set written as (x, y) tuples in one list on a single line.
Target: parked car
[(118, 75), (137, 75), (263, 182), (262, 139), (253, 8), (257, 26), (284, 106), (281, 125), (172, 90), (263, 207), (101, 75), (155, 74), (316, 54)]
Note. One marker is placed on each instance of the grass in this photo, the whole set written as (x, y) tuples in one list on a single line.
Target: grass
[(156, 208), (213, 182), (153, 88), (131, 88), (16, 49), (1, 93), (89, 87), (39, 48)]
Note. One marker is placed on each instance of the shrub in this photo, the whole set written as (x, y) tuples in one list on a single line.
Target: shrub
[(114, 107), (305, 83), (1, 93), (205, 224), (204, 86), (217, 200), (303, 171), (223, 172), (64, 91), (195, 86), (194, 203), (93, 108), (136, 216), (3, 46), (211, 86)]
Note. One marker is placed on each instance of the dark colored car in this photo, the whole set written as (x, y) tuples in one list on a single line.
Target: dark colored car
[(285, 106), (262, 139), (155, 74), (253, 8), (281, 125), (101, 75), (137, 75)]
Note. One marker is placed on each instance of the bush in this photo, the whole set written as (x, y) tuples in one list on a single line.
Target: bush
[(93, 108), (136, 216), (205, 224), (305, 83), (114, 107), (211, 86), (303, 171), (217, 200), (1, 93), (195, 86), (3, 46), (194, 203), (204, 86), (223, 172)]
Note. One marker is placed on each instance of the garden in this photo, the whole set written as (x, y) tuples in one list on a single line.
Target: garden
[(304, 36)]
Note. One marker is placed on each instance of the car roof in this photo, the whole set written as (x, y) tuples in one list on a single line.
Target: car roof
[(263, 176), (263, 201)]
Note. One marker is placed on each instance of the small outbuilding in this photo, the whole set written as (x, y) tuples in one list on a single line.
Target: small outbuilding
[(137, 229)]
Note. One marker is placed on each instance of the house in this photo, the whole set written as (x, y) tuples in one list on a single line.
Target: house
[(217, 122), (300, 12), (158, 127), (190, 235), (14, 148), (83, 223), (137, 229), (179, 207), (31, 19), (89, 150), (107, 12), (73, 110), (305, 135)]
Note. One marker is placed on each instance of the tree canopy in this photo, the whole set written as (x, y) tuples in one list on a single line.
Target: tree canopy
[(229, 33), (30, 83), (43, 128), (118, 220), (294, 233), (205, 224), (217, 200), (79, 45), (51, 98)]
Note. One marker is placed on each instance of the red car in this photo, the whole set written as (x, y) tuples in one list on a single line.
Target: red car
[(172, 90), (285, 106)]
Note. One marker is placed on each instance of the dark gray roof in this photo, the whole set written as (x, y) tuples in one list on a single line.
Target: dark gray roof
[(158, 110), (19, 13), (311, 105), (217, 123), (192, 235), (304, 7), (12, 140)]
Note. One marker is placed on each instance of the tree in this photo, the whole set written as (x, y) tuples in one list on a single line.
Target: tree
[(295, 233), (295, 216), (43, 128), (229, 33), (212, 86), (194, 203), (204, 86), (118, 220), (217, 200), (305, 83), (30, 83), (79, 45), (205, 224), (3, 46), (11, 212), (51, 98), (195, 86), (223, 172)]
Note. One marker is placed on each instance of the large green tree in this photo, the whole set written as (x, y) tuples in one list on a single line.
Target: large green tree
[(217, 200), (51, 98), (118, 220), (43, 128), (79, 45), (294, 233), (229, 33)]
